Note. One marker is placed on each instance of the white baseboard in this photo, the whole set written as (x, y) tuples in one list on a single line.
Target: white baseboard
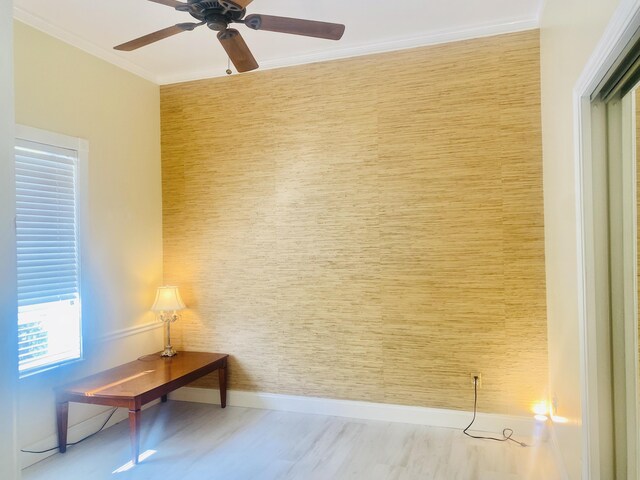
[(434, 417), (74, 433), (524, 427)]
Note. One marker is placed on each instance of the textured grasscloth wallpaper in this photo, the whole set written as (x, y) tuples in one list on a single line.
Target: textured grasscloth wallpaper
[(367, 229)]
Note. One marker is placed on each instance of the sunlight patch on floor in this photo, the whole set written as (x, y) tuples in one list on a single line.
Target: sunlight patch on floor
[(129, 465)]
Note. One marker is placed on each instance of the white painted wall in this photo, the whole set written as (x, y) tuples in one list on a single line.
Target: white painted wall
[(570, 30), (8, 365), (62, 89), (119, 115)]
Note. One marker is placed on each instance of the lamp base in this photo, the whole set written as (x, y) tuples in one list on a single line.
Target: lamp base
[(168, 352)]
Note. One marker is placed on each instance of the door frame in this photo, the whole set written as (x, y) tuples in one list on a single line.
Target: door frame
[(590, 127), (9, 465)]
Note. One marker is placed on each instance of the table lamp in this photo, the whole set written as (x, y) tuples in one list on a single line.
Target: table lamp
[(168, 302)]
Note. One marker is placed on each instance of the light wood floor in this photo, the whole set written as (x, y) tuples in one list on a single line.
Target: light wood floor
[(199, 442)]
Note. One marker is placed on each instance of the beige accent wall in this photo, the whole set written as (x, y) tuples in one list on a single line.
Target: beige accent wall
[(62, 89), (570, 30), (8, 280), (367, 229)]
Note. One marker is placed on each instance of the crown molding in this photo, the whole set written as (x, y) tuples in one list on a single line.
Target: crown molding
[(512, 25), (541, 9), (443, 36), (78, 42)]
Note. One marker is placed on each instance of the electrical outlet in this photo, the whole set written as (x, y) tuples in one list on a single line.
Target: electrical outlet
[(473, 379)]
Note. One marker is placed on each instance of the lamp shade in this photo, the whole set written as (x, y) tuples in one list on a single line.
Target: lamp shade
[(167, 300)]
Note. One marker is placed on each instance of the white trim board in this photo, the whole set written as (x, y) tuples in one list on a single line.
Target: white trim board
[(38, 135), (78, 42), (433, 417), (621, 28), (524, 428), (92, 424), (127, 332), (75, 433), (434, 38), (510, 25), (555, 451)]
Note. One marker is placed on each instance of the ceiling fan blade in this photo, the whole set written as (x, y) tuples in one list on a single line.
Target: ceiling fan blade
[(295, 26), (237, 50), (169, 3), (239, 3), (155, 36)]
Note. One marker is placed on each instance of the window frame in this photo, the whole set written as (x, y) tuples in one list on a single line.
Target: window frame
[(81, 146)]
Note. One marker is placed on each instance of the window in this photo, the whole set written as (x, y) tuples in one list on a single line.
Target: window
[(48, 249)]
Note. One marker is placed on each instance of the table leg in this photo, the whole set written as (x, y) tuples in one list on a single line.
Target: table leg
[(163, 398), (62, 414), (134, 433), (222, 380)]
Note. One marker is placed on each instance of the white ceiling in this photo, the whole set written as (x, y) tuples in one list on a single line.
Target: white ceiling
[(371, 26)]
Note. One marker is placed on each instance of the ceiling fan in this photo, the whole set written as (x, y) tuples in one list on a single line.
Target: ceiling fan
[(219, 14)]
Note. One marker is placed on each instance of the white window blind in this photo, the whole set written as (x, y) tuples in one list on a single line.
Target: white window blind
[(49, 327)]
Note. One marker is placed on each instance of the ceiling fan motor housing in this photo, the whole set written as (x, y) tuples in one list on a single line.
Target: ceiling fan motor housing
[(216, 14)]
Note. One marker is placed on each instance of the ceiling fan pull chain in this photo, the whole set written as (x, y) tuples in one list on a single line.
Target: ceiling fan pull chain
[(229, 72)]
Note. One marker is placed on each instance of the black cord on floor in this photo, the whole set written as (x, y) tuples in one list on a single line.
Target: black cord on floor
[(77, 442), (507, 433)]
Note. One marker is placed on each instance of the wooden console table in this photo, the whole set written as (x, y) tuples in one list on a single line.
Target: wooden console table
[(136, 383)]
